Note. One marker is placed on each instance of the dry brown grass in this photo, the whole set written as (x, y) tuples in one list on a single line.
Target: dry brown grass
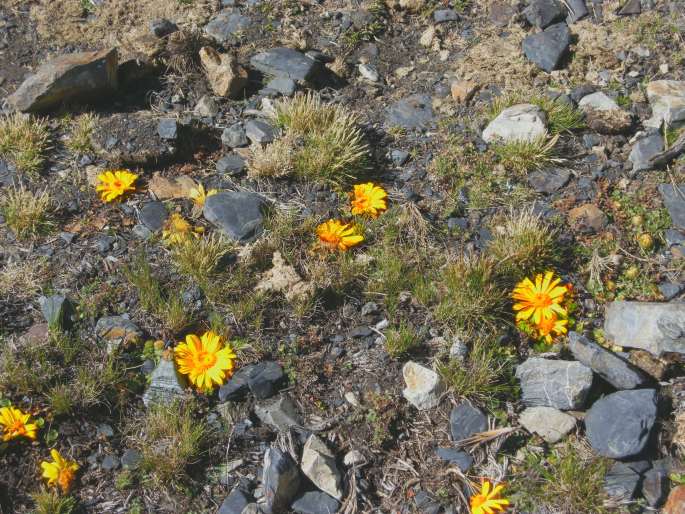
[(274, 160), (24, 141), (22, 279), (26, 212)]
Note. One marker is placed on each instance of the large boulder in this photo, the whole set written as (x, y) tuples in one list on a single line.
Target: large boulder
[(652, 326), (79, 76)]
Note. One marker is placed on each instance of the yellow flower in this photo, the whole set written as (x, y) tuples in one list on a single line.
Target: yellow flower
[(539, 300), (113, 184), (176, 229), (335, 234), (59, 473), (198, 195), (15, 423), (368, 199), (550, 327), (490, 500), (205, 360)]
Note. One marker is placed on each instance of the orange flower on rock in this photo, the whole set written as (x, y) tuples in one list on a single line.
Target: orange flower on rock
[(61, 472), (489, 500), (369, 199), (550, 327), (205, 360), (336, 235), (113, 184), (14, 423), (541, 299)]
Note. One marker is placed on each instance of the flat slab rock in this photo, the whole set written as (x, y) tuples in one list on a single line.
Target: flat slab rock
[(563, 385), (608, 365), (166, 384), (550, 424), (132, 139), (651, 326), (287, 63), (85, 76), (667, 98), (618, 425), (674, 200), (413, 112), (237, 214)]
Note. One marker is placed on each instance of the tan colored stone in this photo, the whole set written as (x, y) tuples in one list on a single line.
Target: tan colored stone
[(676, 501), (165, 189), (226, 77), (283, 278), (588, 216), (463, 90)]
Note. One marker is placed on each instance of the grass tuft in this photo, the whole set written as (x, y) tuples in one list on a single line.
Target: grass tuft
[(570, 480), (166, 306), (51, 502), (24, 141), (80, 130), (483, 376), (524, 156), (199, 258), (470, 296), (322, 142), (401, 340), (523, 243), (26, 212), (170, 438)]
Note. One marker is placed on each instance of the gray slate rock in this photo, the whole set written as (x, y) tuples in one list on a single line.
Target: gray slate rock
[(315, 502), (56, 310), (652, 326), (166, 384), (162, 27), (466, 420), (287, 63), (522, 122), (234, 136), (153, 215), (413, 112), (459, 458), (223, 27), (605, 363), (265, 379), (549, 181), (547, 48), (543, 13), (618, 425), (577, 10), (82, 76), (644, 149), (674, 200), (167, 128), (131, 459), (622, 479), (259, 131), (279, 414), (236, 388), (444, 15), (670, 290), (236, 502), (231, 164), (281, 480), (283, 85), (563, 385), (237, 214), (655, 486), (318, 464), (631, 7), (110, 463)]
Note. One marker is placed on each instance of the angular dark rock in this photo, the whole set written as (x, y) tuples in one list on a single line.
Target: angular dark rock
[(153, 215), (235, 502), (259, 132), (234, 136), (577, 10), (674, 200), (466, 420), (549, 181), (631, 7), (655, 486), (224, 26), (265, 379), (231, 164), (57, 311), (622, 479), (547, 48), (280, 414), (608, 365), (281, 479), (414, 112), (286, 62), (618, 425), (461, 459), (236, 388), (237, 214), (644, 149), (543, 13), (315, 502), (166, 384), (83, 76), (162, 27), (117, 330)]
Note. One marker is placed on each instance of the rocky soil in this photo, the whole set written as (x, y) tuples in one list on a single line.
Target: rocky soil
[(358, 386)]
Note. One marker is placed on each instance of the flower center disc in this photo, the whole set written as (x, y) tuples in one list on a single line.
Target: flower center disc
[(477, 500), (206, 360), (17, 426), (542, 300)]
